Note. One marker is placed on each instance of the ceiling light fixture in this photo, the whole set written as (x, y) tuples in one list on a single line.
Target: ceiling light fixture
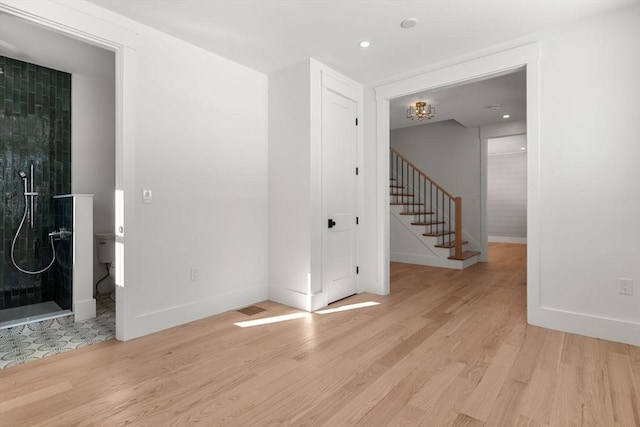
[(420, 111), (409, 23), (506, 116), (364, 44)]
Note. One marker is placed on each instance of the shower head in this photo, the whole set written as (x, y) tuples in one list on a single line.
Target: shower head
[(23, 175)]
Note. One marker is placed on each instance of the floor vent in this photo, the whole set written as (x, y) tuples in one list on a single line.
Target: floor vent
[(251, 310)]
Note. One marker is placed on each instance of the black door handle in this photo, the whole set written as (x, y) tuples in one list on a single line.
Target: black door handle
[(332, 223)]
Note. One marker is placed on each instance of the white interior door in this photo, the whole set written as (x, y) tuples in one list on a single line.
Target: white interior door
[(339, 239)]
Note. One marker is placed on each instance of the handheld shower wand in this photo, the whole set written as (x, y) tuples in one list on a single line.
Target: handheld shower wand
[(31, 194)]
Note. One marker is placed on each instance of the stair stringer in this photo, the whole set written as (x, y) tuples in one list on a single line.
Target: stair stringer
[(433, 257)]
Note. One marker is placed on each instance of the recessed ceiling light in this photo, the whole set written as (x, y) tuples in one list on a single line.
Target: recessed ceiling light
[(523, 148), (409, 23), (506, 116), (364, 44)]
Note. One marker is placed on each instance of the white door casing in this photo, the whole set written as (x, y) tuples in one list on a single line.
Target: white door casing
[(339, 195)]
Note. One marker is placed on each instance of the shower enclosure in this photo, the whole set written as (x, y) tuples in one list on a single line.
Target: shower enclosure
[(35, 166)]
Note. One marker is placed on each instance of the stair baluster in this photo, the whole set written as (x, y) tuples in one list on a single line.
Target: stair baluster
[(410, 189)]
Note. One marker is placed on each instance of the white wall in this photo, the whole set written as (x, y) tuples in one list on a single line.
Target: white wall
[(370, 270), (589, 176), (93, 152), (201, 147), (448, 153), (187, 133), (290, 185)]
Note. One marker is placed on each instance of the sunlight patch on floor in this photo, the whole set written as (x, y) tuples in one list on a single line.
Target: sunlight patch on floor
[(348, 307), (273, 319)]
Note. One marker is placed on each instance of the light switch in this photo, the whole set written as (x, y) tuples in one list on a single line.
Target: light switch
[(147, 196)]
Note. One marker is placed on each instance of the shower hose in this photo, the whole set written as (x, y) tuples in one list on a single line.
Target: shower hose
[(13, 244)]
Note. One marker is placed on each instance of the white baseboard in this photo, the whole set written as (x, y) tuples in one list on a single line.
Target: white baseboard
[(424, 260), (506, 239), (297, 299), (83, 310), (584, 324), (289, 297), (148, 323)]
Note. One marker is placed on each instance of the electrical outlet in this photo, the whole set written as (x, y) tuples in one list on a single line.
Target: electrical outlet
[(195, 274), (626, 286)]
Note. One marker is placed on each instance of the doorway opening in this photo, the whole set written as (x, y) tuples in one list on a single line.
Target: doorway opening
[(524, 59), (96, 125), (470, 138)]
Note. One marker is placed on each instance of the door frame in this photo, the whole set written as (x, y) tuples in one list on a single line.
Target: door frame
[(338, 83), (118, 41), (456, 73)]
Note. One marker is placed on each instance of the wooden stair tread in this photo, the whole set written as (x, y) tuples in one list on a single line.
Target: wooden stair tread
[(465, 255), (396, 186), (415, 213), (402, 194), (407, 204), (427, 223), (439, 233), (449, 245)]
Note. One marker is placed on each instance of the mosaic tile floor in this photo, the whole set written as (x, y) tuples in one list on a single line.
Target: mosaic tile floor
[(24, 343)]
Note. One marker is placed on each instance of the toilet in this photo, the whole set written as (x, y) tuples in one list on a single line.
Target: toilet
[(106, 255)]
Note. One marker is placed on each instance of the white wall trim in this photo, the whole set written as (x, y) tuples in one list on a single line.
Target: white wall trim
[(298, 300), (507, 239), (618, 330), (147, 323), (430, 261), (83, 310), (463, 72), (21, 10)]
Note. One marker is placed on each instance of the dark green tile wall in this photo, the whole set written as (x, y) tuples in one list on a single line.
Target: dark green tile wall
[(35, 128)]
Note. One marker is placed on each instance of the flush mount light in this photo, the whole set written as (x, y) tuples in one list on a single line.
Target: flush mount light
[(506, 116), (420, 111), (364, 43), (409, 23)]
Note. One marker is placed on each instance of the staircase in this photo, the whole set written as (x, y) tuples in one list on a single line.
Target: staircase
[(431, 214)]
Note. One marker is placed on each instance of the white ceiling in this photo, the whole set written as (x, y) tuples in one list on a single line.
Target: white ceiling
[(267, 35), (468, 103), (270, 34)]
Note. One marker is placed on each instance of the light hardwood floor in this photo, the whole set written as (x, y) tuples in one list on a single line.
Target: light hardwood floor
[(445, 348)]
